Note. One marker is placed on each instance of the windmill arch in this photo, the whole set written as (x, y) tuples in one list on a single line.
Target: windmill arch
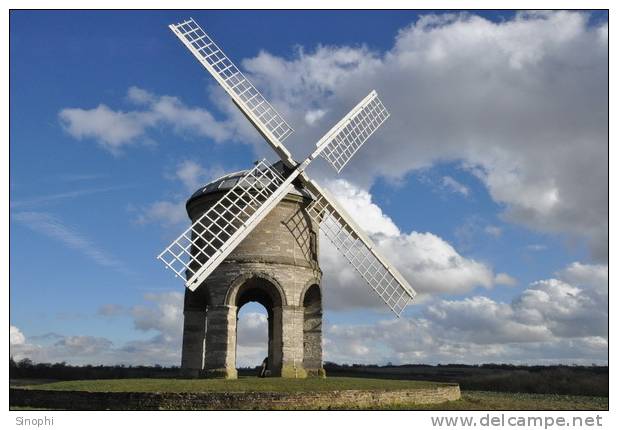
[(264, 289)]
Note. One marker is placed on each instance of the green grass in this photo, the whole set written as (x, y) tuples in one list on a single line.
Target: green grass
[(470, 400), (490, 400), (242, 384)]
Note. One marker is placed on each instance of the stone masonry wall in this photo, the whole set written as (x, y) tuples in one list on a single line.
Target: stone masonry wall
[(345, 399), (280, 257)]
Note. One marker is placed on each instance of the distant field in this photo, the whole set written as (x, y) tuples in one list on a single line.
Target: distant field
[(242, 384), (489, 400), (567, 380)]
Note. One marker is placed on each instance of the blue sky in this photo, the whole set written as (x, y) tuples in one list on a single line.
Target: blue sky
[(478, 165)]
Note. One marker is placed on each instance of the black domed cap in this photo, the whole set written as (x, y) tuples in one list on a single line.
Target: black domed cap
[(226, 182)]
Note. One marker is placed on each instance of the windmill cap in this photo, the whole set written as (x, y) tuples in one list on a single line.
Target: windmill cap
[(226, 182)]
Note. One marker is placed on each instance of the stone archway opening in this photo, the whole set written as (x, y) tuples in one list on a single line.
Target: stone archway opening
[(312, 330), (253, 327), (254, 292)]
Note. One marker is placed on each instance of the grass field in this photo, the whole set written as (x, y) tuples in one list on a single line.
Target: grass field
[(242, 384), (470, 400), (490, 400)]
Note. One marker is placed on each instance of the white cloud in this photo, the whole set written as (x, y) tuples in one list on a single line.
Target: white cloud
[(160, 316), (313, 116), (50, 226), (173, 213), (574, 305), (560, 320), (434, 266), (454, 186), (167, 213), (475, 319), (140, 96), (460, 88), (505, 279), (16, 337), (57, 348), (83, 345), (252, 338), (594, 275), (193, 175), (549, 322), (165, 317), (114, 130), (190, 172), (463, 89), (359, 202), (430, 264)]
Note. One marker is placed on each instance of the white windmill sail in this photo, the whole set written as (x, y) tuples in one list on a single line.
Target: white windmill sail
[(352, 131), (248, 99), (211, 238), (358, 249)]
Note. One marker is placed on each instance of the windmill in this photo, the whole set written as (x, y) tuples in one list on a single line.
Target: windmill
[(200, 249)]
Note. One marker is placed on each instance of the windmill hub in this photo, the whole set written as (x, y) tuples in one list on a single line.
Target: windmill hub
[(276, 265)]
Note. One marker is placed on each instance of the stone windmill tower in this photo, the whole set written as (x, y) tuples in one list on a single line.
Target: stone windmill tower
[(254, 236), (276, 265)]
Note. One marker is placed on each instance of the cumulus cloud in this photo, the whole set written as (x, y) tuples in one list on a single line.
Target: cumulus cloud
[(574, 305), (557, 320), (160, 316), (551, 321), (164, 317), (460, 88), (594, 275), (116, 129), (359, 202), (521, 104), (16, 337), (52, 347), (429, 263), (83, 345), (110, 128)]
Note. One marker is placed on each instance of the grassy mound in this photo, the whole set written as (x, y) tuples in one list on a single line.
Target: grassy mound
[(242, 384)]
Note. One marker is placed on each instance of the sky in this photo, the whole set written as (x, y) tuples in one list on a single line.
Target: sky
[(487, 187)]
